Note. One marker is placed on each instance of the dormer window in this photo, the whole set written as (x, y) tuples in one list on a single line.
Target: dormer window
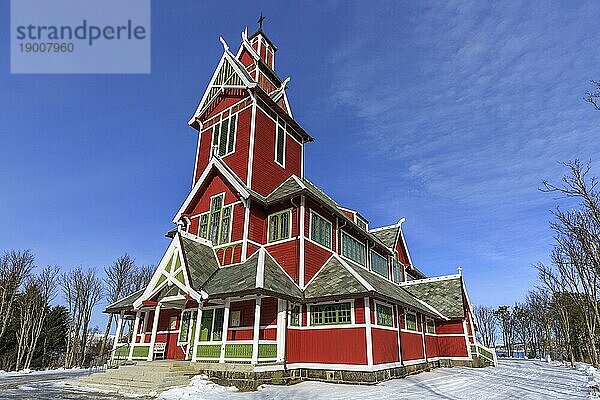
[(362, 224), (223, 139)]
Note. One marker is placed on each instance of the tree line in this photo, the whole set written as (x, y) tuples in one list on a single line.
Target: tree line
[(36, 333), (560, 317)]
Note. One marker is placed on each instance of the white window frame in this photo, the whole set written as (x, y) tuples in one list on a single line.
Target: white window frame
[(283, 126), (376, 322), (346, 257), (279, 213), (427, 321), (212, 326), (310, 230), (223, 206), (309, 314), (406, 312), (189, 333), (218, 124), (364, 221), (387, 266)]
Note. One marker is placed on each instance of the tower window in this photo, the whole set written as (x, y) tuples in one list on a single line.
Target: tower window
[(223, 140), (279, 225), (379, 264), (280, 143), (320, 229), (216, 224)]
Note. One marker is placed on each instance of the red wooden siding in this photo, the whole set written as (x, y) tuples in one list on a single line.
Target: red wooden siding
[(240, 334), (332, 346), (412, 346), (287, 255), (256, 229), (385, 345), (268, 311), (267, 175), (432, 346), (444, 327), (359, 311), (451, 346), (314, 258), (214, 184)]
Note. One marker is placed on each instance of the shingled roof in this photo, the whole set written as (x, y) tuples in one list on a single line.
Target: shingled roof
[(443, 293), (393, 291), (333, 280), (387, 235), (200, 260), (124, 304), (242, 278)]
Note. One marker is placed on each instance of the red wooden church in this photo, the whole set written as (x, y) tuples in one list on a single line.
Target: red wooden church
[(266, 269)]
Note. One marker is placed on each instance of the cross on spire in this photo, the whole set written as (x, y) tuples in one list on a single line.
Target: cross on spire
[(260, 21)]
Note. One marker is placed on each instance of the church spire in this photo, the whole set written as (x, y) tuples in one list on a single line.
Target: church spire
[(262, 44)]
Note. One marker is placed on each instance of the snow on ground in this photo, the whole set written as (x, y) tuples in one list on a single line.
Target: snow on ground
[(31, 372), (512, 379)]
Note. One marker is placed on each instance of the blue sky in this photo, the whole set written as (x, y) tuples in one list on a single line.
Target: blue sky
[(447, 114)]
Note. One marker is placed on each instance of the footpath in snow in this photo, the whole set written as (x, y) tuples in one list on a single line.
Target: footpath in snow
[(512, 379)]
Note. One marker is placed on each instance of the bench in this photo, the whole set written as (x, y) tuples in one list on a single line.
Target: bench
[(159, 350)]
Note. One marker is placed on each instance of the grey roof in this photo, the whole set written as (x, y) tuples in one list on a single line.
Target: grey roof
[(333, 280), (387, 235), (235, 278), (446, 295), (125, 303), (288, 188), (200, 260), (389, 289), (416, 272), (242, 278)]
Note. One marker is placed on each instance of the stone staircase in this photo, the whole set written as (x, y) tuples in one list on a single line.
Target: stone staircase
[(140, 378)]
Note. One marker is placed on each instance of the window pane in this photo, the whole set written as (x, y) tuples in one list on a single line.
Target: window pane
[(353, 249), (396, 271), (206, 325), (274, 228), (225, 222), (223, 137), (203, 229), (280, 144), (379, 264), (232, 131), (411, 322), (215, 138), (320, 230), (385, 316), (284, 232), (218, 326), (295, 316), (184, 328)]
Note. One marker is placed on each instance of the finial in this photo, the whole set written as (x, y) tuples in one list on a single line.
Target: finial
[(260, 21), (459, 270), (224, 43)]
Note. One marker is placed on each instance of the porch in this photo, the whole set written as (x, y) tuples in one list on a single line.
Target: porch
[(167, 330)]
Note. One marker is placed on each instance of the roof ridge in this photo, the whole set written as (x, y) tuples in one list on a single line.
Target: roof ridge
[(432, 279)]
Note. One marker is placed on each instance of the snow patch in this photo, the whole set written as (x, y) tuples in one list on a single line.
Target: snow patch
[(199, 388)]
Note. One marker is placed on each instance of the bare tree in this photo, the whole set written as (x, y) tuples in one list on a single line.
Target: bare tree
[(82, 291), (487, 324), (142, 277), (15, 267), (119, 279), (593, 96)]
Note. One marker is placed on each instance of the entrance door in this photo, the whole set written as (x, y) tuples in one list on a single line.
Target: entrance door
[(173, 350)]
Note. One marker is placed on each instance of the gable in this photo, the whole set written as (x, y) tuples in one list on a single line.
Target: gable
[(214, 184), (226, 76)]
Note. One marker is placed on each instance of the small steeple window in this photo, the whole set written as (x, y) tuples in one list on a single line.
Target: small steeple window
[(223, 140)]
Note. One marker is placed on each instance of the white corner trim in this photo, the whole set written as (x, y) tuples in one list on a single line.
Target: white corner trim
[(260, 268)]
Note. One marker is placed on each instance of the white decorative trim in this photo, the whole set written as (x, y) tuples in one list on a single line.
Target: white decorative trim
[(260, 268), (432, 279), (368, 332), (301, 227), (256, 332)]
